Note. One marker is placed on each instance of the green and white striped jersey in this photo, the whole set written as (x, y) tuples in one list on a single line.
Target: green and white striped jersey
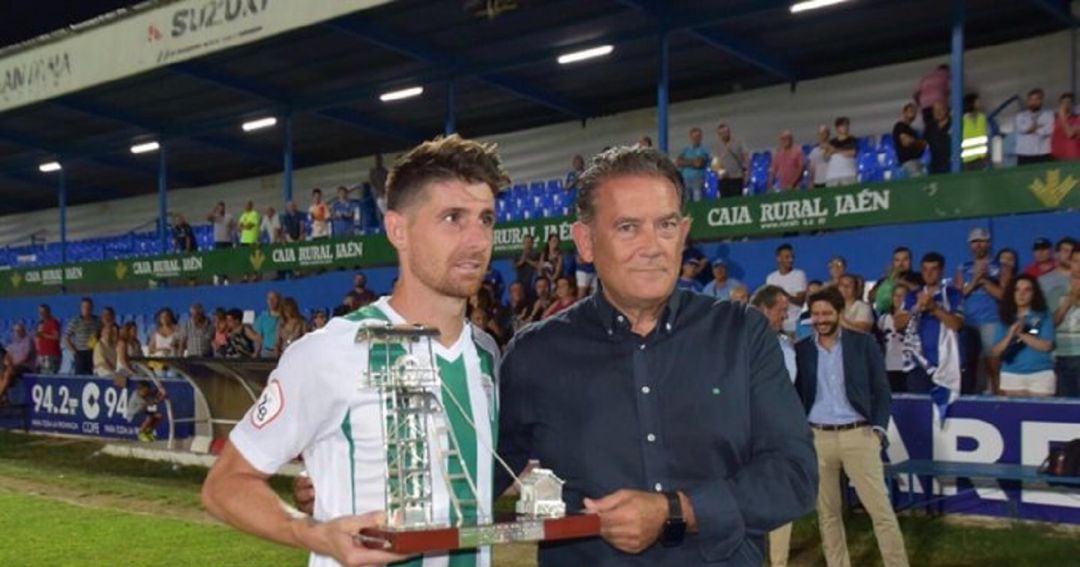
[(314, 406)]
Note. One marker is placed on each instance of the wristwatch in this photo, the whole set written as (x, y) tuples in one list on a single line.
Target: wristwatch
[(675, 526)]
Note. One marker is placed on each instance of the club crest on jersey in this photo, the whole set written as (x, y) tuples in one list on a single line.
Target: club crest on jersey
[(269, 406)]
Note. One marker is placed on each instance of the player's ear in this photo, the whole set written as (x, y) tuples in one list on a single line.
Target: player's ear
[(395, 224)]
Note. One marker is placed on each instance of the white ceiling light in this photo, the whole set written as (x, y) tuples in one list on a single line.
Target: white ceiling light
[(813, 5), (144, 148), (259, 124), (403, 93), (49, 167), (585, 54)]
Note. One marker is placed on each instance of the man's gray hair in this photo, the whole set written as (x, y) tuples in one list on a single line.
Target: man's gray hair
[(766, 296), (620, 161)]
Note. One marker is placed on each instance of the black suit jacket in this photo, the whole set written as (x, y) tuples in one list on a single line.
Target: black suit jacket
[(865, 380)]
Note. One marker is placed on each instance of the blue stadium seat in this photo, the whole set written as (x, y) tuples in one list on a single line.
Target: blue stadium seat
[(554, 186), (867, 166), (537, 188), (711, 190)]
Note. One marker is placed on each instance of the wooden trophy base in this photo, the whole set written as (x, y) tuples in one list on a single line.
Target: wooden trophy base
[(427, 540)]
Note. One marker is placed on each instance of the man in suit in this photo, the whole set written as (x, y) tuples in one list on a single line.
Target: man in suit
[(845, 392)]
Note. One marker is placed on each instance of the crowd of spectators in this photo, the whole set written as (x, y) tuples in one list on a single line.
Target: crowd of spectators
[(1041, 135)]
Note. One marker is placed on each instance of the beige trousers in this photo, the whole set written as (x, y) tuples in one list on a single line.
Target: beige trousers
[(779, 545), (858, 453)]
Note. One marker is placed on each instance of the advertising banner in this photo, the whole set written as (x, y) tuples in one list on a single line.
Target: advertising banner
[(987, 430), (95, 407), (151, 38)]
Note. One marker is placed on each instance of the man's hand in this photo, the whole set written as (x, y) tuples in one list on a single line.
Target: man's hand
[(630, 520), (303, 493), (337, 538)]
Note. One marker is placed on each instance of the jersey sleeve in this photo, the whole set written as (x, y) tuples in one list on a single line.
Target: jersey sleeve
[(299, 405)]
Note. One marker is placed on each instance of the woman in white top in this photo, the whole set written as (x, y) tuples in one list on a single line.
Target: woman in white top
[(164, 340), (857, 315), (105, 352), (894, 341)]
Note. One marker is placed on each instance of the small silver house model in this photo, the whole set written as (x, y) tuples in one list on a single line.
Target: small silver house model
[(541, 495)]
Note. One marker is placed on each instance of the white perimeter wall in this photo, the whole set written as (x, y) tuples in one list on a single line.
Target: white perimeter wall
[(871, 98)]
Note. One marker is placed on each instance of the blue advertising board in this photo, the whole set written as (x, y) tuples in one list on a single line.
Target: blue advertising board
[(95, 407), (988, 430)]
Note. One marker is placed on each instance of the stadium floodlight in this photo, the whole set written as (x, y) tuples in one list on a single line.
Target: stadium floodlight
[(144, 148), (49, 167), (584, 54), (400, 94), (259, 124), (813, 5)]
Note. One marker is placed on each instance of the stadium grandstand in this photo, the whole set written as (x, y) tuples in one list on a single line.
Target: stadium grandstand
[(187, 187)]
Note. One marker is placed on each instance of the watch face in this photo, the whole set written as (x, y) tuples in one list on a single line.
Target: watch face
[(674, 532)]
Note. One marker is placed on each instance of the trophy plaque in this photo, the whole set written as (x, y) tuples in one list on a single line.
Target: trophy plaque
[(417, 437)]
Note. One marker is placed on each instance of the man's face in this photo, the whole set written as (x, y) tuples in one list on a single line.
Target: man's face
[(249, 206), (825, 318), (195, 312), (901, 260), (359, 281), (273, 300), (19, 330), (108, 317), (1042, 255), (931, 272), (843, 129), (233, 323), (909, 113), (1074, 265), (86, 308), (1064, 253), (445, 236), (823, 134), (342, 194), (785, 260), (941, 110), (543, 287), (517, 292), (42, 314), (719, 272), (979, 248), (290, 206), (724, 133), (786, 140), (695, 137), (635, 238), (316, 198), (563, 289), (836, 269), (777, 313), (1034, 101)]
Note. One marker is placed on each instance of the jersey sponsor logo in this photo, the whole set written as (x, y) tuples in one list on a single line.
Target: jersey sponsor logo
[(269, 405)]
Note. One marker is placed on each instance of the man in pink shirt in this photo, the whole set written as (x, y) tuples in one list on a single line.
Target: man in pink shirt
[(787, 164), (934, 86)]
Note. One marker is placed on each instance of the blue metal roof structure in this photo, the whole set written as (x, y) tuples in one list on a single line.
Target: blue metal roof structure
[(482, 75)]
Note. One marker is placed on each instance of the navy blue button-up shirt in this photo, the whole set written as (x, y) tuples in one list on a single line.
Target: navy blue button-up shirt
[(703, 404)]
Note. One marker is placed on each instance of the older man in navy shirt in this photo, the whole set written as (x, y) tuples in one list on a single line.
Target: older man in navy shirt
[(667, 413)]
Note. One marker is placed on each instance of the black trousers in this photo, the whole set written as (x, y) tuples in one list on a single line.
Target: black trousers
[(84, 362), (730, 187)]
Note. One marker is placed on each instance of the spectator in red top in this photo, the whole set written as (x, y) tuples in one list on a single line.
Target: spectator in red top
[(47, 341), (1044, 259), (787, 164), (565, 296), (934, 86), (1065, 139)]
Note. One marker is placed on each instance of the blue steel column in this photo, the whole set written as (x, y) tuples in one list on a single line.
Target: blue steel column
[(956, 91), (451, 112), (287, 165), (61, 196), (163, 205), (662, 95)]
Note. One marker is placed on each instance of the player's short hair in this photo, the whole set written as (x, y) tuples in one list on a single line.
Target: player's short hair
[(766, 296), (443, 159), (830, 295)]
